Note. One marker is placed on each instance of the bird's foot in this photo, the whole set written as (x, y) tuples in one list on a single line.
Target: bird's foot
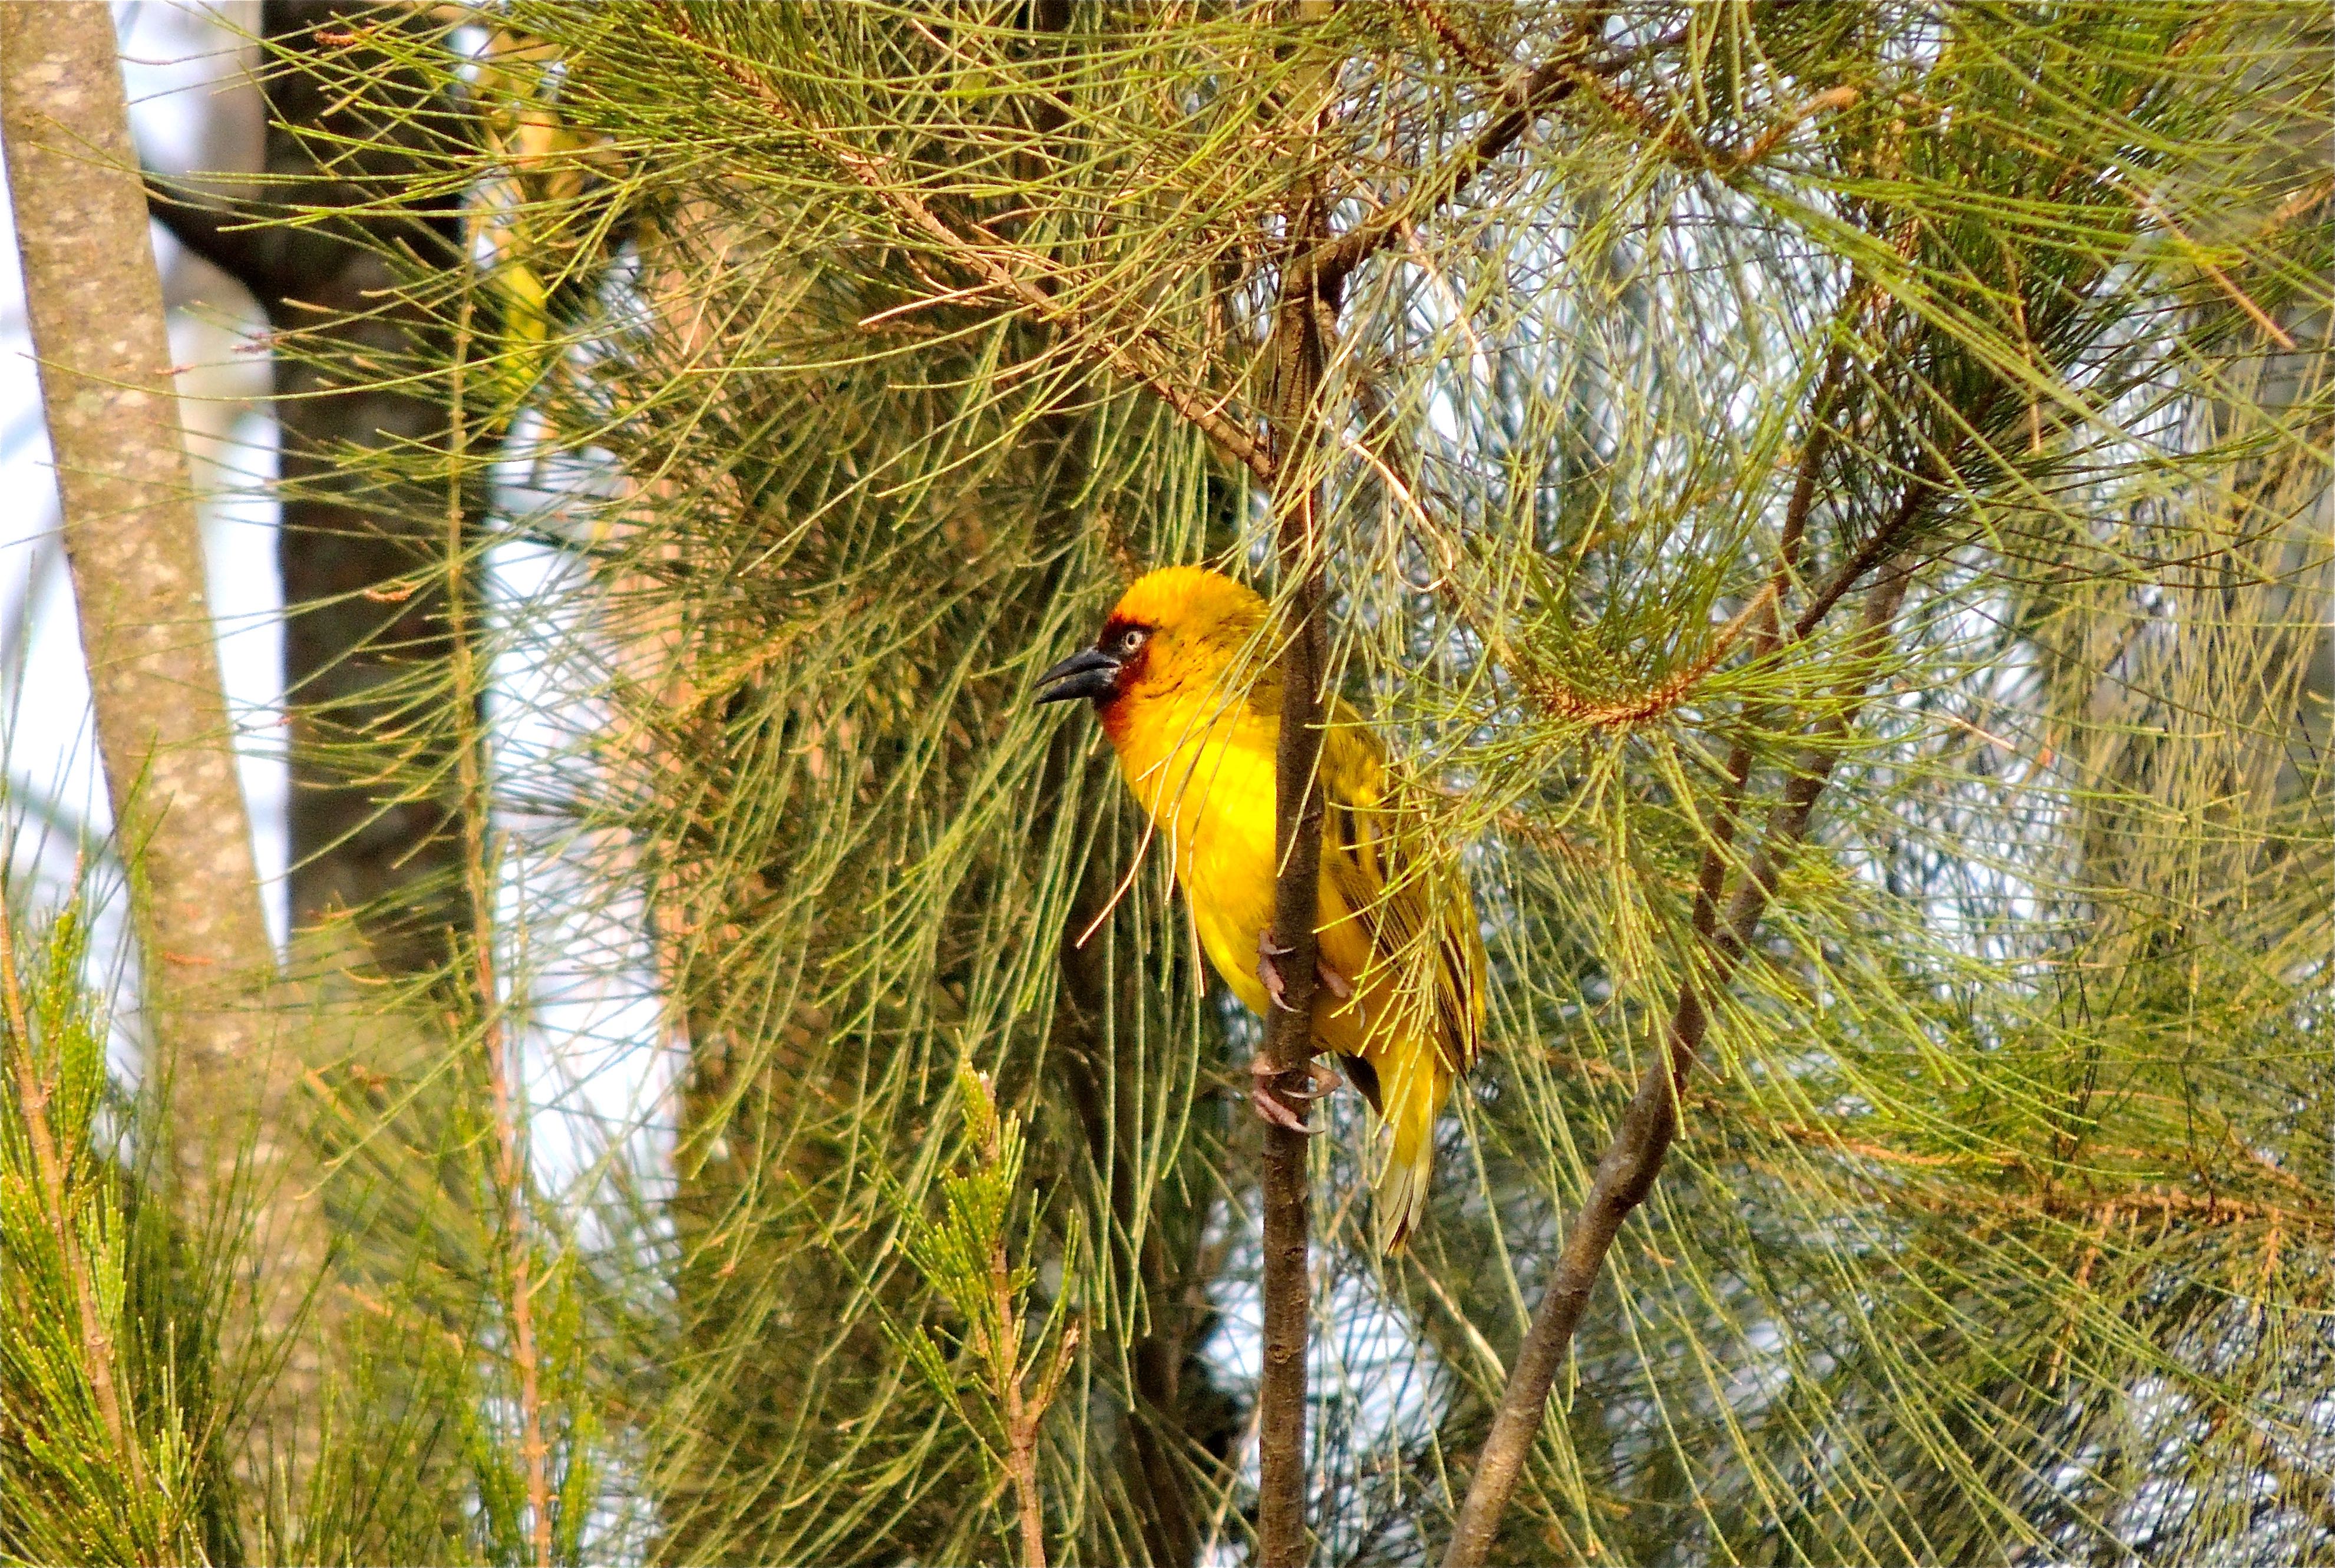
[(1269, 954), (1270, 1088)]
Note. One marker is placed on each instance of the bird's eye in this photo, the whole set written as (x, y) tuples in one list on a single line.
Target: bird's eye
[(1132, 639)]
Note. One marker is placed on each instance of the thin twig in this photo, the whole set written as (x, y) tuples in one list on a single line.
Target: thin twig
[(512, 1229), (2206, 264), (1881, 545), (1126, 885), (1021, 1426), (1768, 141), (1682, 146)]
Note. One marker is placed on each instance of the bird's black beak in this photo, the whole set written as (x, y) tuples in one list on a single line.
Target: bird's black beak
[(1089, 672)]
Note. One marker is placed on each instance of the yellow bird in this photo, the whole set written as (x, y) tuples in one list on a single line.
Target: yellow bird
[(1190, 697)]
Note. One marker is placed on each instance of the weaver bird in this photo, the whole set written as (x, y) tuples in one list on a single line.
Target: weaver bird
[(1191, 700)]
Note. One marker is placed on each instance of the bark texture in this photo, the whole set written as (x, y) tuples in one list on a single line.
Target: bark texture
[(1305, 324), (95, 301)]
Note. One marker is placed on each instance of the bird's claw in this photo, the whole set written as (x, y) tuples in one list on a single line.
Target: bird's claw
[(1268, 1093), (1270, 1107), (1269, 954), (1268, 970)]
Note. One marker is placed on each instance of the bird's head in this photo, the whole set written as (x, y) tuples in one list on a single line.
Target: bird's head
[(1175, 627)]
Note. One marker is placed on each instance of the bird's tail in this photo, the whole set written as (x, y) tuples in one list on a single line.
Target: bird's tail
[(1412, 1088)]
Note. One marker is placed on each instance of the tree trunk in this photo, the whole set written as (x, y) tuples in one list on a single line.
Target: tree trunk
[(95, 302), (350, 660), (361, 551)]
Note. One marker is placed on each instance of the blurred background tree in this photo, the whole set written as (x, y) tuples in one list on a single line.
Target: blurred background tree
[(319, 233), (1853, 478)]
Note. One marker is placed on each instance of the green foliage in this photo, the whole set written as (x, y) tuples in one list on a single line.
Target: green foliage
[(964, 1257), (1916, 409), (113, 1422), (906, 358), (412, 1461)]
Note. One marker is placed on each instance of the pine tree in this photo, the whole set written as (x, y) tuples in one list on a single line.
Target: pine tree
[(1817, 497)]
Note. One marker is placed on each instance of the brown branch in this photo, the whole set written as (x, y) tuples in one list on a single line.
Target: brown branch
[(2295, 206), (1521, 100), (1014, 274), (1301, 334), (1626, 1171), (1020, 1428), (1558, 697)]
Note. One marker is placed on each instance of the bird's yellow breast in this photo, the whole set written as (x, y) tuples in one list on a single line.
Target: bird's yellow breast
[(1204, 770)]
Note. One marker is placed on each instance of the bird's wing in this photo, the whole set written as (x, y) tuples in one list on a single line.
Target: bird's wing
[(1367, 859)]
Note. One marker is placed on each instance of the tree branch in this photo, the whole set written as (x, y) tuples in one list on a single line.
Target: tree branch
[(1523, 99), (1301, 332), (93, 302), (1883, 546), (1020, 277), (513, 1234), (1626, 1171), (227, 238)]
